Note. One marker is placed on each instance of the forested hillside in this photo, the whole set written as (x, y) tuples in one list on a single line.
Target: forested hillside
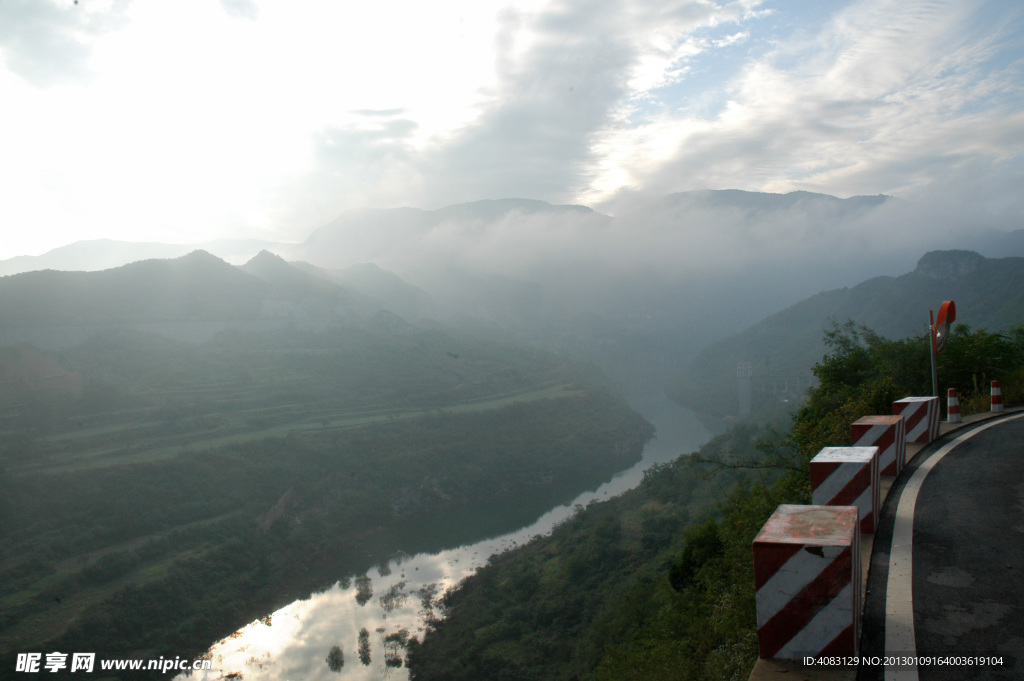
[(657, 584)]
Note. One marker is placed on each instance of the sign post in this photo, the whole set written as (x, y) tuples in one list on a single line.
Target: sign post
[(947, 315)]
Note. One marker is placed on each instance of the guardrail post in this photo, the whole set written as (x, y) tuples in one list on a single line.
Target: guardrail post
[(953, 407), (807, 576), (997, 397)]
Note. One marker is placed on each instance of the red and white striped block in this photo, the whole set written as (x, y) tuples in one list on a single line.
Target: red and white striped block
[(997, 397), (847, 476), (922, 417), (889, 434), (953, 407), (807, 576)]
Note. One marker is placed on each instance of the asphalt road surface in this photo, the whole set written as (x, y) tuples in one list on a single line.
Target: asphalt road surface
[(968, 560)]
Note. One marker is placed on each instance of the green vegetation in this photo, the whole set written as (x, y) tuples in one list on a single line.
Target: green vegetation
[(864, 374), (657, 584), (335, 659), (157, 496), (364, 647)]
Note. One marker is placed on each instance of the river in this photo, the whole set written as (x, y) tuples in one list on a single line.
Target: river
[(292, 644)]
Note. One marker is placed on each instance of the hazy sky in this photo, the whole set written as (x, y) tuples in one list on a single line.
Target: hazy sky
[(199, 119)]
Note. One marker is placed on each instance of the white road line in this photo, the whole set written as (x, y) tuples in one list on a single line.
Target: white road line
[(899, 597)]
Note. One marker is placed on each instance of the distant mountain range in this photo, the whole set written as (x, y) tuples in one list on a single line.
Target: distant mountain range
[(327, 246), (195, 287), (639, 293), (363, 236), (761, 201), (782, 348), (103, 254), (193, 296)]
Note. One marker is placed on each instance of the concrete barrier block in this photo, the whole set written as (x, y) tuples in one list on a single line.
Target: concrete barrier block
[(889, 434), (807, 576), (848, 476), (922, 417)]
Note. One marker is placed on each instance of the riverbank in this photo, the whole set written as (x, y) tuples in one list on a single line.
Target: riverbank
[(568, 605)]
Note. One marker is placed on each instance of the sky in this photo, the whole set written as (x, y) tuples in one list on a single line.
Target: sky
[(203, 119)]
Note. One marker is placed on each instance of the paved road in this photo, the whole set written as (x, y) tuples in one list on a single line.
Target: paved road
[(968, 558)]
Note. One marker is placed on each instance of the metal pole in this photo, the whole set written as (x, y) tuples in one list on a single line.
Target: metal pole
[(931, 334)]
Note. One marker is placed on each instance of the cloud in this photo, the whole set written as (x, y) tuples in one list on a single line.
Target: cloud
[(369, 161), (534, 135), (241, 9), (47, 42), (565, 75), (561, 74), (283, 121), (884, 99)]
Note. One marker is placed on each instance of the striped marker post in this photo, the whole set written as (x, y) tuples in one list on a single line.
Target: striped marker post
[(847, 476), (889, 434), (807, 576), (953, 407), (922, 417), (997, 397)]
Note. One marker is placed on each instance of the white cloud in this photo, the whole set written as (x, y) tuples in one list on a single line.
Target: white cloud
[(198, 119), (241, 9), (46, 42), (871, 104)]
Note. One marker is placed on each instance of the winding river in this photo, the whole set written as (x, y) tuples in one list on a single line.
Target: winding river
[(293, 643)]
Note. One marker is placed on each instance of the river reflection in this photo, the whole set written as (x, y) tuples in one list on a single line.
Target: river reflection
[(393, 600)]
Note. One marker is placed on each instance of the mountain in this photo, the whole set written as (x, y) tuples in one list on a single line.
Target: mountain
[(101, 254), (490, 210), (638, 290), (367, 235), (298, 293), (763, 201), (390, 290), (194, 296), (287, 280), (194, 287), (782, 348)]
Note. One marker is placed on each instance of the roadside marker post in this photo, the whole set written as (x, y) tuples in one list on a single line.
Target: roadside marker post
[(953, 407), (997, 397)]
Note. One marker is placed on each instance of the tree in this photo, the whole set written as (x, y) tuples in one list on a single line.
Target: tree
[(335, 659), (364, 647)]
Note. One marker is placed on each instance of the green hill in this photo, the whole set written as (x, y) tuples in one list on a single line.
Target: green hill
[(989, 293), (194, 287)]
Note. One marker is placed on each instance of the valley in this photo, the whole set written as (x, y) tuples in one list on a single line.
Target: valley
[(163, 494)]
